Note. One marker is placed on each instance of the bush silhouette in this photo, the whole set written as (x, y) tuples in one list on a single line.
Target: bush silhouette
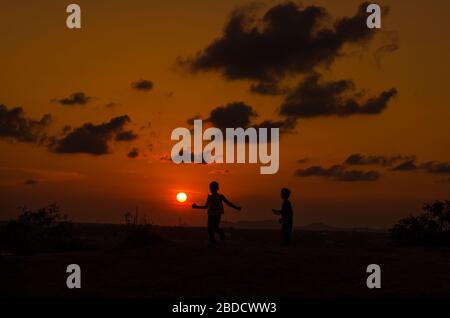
[(137, 234), (43, 230), (432, 227)]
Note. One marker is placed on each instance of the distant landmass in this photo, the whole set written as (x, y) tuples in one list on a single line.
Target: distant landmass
[(264, 225), (316, 226)]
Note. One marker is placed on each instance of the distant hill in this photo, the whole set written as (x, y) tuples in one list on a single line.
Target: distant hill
[(255, 225), (264, 224), (273, 225)]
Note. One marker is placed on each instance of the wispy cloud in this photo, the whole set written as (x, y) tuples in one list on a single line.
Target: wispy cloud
[(10, 176)]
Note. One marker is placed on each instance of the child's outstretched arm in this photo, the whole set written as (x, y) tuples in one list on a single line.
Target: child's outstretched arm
[(202, 207), (231, 204), (275, 211)]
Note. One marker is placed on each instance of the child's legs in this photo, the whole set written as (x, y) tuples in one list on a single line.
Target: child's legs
[(211, 229), (218, 229), (286, 231)]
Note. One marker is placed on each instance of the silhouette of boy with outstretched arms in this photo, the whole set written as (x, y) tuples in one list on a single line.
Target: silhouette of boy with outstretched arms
[(214, 204), (287, 216)]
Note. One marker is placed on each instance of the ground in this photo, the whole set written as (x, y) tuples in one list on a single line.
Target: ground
[(249, 263)]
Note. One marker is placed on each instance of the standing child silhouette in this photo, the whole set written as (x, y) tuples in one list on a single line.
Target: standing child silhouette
[(287, 216), (214, 204)]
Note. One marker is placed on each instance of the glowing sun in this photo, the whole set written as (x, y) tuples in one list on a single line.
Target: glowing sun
[(181, 197)]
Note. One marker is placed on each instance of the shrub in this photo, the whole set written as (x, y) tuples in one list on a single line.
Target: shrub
[(431, 227), (43, 230), (135, 234)]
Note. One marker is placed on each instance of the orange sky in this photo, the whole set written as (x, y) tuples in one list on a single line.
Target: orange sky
[(122, 42)]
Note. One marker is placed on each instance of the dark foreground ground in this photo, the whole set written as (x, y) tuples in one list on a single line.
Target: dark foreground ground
[(250, 263)]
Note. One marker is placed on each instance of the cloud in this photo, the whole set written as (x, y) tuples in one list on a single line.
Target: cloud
[(128, 135), (15, 126), (90, 138), (143, 85), (194, 157), (408, 165), (239, 114), (165, 158), (220, 171), (78, 98), (432, 167), (291, 40), (111, 105), (303, 160), (267, 88), (288, 39), (168, 158), (358, 175), (66, 129), (14, 176), (338, 173), (401, 163), (285, 125), (436, 167), (314, 97), (390, 44), (133, 153), (30, 182), (232, 115), (359, 159)]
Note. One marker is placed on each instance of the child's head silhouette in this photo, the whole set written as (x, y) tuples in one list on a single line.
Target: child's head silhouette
[(285, 193), (214, 187)]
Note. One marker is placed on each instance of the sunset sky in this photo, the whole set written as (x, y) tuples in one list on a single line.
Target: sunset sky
[(144, 68)]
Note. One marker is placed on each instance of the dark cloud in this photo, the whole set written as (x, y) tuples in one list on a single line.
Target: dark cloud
[(111, 105), (194, 157), (402, 163), (436, 167), (288, 39), (232, 115), (239, 114), (358, 175), (303, 160), (165, 158), (359, 159), (15, 126), (314, 97), (285, 125), (293, 40), (146, 126), (90, 138), (267, 88), (133, 153), (338, 173), (390, 44), (190, 121), (30, 182), (128, 135), (78, 98), (66, 129), (408, 165), (431, 167), (143, 85), (220, 171)]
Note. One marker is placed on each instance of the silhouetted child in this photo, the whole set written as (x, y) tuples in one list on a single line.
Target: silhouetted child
[(214, 204), (287, 216)]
